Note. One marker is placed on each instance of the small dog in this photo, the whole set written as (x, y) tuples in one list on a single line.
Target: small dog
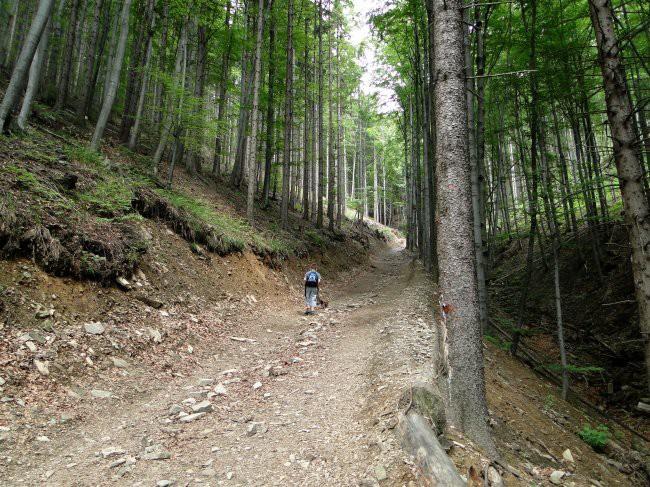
[(322, 304)]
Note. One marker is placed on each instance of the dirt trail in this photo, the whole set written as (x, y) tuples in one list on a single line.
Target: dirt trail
[(303, 401)]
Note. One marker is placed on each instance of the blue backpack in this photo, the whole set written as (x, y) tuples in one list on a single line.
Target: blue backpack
[(311, 279)]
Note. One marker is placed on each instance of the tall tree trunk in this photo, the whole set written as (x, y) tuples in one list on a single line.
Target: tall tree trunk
[(218, 164), (288, 122), (114, 79), (5, 54), (628, 167), (63, 85), (309, 155), (171, 101), (88, 72), (146, 12), (252, 183), (270, 110), (340, 149), (135, 129), (477, 203), (24, 61), (194, 156), (331, 155), (463, 367), (532, 204), (34, 78), (321, 146)]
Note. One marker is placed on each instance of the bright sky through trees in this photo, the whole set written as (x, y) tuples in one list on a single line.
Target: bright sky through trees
[(361, 34)]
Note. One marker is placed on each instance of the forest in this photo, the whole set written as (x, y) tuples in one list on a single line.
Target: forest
[(498, 151)]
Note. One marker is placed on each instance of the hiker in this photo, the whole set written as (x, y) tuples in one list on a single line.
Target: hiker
[(312, 283)]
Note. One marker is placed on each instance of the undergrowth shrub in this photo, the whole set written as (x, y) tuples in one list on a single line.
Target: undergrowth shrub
[(596, 438)]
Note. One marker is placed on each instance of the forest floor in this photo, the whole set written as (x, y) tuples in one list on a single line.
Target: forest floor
[(292, 400)]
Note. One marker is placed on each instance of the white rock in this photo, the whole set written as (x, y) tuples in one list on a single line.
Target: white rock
[(192, 417), (42, 439), (206, 382), (203, 407), (568, 456), (229, 475), (220, 389), (111, 451), (119, 363), (123, 283), (99, 394), (380, 473), (155, 335), (164, 483), (94, 328), (257, 385), (31, 345), (556, 477), (42, 367)]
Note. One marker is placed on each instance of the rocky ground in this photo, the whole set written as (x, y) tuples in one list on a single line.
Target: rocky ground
[(245, 390)]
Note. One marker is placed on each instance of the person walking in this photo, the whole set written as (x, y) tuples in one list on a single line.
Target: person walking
[(312, 286)]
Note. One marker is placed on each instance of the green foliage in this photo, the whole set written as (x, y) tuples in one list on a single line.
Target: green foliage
[(596, 438), (497, 342), (315, 238), (109, 198), (84, 155), (28, 181)]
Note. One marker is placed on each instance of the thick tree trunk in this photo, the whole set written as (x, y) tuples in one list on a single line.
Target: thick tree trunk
[(628, 167), (461, 327), (64, 80), (477, 203), (114, 80), (24, 61), (288, 122), (34, 79)]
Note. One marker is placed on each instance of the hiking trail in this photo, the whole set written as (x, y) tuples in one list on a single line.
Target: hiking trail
[(299, 400)]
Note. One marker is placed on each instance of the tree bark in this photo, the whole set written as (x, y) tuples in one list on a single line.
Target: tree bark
[(463, 376), (64, 80), (24, 61), (288, 122), (114, 79), (628, 167), (135, 129), (87, 75), (321, 146), (34, 78), (252, 183), (270, 110)]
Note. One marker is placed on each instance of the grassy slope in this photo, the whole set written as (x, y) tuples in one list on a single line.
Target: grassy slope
[(90, 229)]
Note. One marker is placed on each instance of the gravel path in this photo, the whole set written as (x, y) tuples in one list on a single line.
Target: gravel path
[(288, 400)]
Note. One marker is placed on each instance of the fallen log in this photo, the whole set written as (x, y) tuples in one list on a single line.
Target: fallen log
[(420, 441)]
